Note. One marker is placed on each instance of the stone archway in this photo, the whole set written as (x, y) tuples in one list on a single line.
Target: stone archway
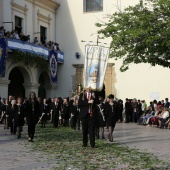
[(17, 76)]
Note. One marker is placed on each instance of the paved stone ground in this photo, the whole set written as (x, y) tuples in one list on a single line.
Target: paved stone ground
[(18, 154), (148, 139)]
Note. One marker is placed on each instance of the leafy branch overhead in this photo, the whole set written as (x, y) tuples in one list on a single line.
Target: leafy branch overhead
[(28, 59), (140, 33)]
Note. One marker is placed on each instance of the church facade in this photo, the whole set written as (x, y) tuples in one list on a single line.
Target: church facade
[(71, 23)]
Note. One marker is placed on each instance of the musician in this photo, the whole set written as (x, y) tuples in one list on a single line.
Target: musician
[(100, 122), (32, 115), (111, 115), (87, 117), (44, 112), (55, 107), (19, 116)]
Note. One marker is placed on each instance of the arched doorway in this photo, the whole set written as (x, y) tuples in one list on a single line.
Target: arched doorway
[(41, 88), (15, 87)]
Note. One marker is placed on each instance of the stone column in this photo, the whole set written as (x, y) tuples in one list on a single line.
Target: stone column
[(78, 77), (4, 88), (29, 87), (51, 91), (110, 79)]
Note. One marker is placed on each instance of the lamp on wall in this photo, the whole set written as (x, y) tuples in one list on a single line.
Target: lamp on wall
[(77, 55)]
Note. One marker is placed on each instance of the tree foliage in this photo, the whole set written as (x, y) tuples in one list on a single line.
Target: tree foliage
[(140, 33)]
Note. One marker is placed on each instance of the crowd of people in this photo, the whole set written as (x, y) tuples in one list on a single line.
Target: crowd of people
[(20, 36), (89, 112), (156, 114)]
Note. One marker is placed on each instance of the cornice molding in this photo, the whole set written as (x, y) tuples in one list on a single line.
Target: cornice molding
[(19, 8), (44, 18), (48, 5)]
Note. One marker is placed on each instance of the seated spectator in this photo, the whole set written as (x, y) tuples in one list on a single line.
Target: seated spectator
[(16, 35), (162, 118), (145, 118), (36, 41), (154, 120)]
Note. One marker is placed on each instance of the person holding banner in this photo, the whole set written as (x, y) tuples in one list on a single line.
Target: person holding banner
[(87, 117)]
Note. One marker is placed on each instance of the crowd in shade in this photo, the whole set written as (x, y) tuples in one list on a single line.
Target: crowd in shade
[(26, 38)]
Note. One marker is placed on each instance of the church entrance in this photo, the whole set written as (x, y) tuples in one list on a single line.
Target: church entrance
[(15, 87), (41, 88)]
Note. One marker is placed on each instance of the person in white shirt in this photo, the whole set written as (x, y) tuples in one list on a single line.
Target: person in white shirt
[(16, 35), (162, 119)]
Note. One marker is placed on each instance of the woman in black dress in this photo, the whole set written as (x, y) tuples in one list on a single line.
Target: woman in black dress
[(32, 115), (100, 122), (112, 116), (19, 116), (44, 112)]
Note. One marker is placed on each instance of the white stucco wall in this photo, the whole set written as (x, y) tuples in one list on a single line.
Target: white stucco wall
[(73, 25)]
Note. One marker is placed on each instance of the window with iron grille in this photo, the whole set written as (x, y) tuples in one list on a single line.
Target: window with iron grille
[(93, 5)]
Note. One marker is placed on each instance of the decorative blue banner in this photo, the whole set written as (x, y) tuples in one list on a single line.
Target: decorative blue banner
[(53, 66), (60, 57), (3, 56), (27, 47)]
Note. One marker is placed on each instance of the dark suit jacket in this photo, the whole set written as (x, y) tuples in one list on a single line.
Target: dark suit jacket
[(33, 116), (55, 108), (84, 106)]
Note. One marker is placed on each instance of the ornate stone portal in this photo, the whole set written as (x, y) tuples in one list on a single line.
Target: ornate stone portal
[(109, 82)]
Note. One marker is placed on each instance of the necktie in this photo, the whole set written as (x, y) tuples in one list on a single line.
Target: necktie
[(88, 97)]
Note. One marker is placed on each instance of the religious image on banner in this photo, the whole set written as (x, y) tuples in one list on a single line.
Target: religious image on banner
[(3, 55), (95, 66), (53, 66)]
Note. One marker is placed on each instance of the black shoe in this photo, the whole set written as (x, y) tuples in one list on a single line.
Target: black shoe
[(84, 146), (103, 137), (94, 147)]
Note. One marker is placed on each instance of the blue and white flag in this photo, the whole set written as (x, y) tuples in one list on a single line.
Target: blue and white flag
[(3, 56), (95, 66), (53, 66)]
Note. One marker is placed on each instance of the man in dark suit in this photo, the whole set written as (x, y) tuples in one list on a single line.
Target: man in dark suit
[(55, 107), (166, 104), (87, 117), (128, 108)]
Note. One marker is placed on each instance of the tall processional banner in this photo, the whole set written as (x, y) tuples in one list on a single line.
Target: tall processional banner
[(95, 66), (53, 66), (3, 56)]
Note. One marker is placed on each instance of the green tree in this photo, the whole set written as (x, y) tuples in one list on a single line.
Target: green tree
[(140, 33)]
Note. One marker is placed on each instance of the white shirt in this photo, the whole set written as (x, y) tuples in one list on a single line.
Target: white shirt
[(165, 115)]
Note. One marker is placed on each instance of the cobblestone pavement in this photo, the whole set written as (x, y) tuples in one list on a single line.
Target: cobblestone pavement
[(17, 154)]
